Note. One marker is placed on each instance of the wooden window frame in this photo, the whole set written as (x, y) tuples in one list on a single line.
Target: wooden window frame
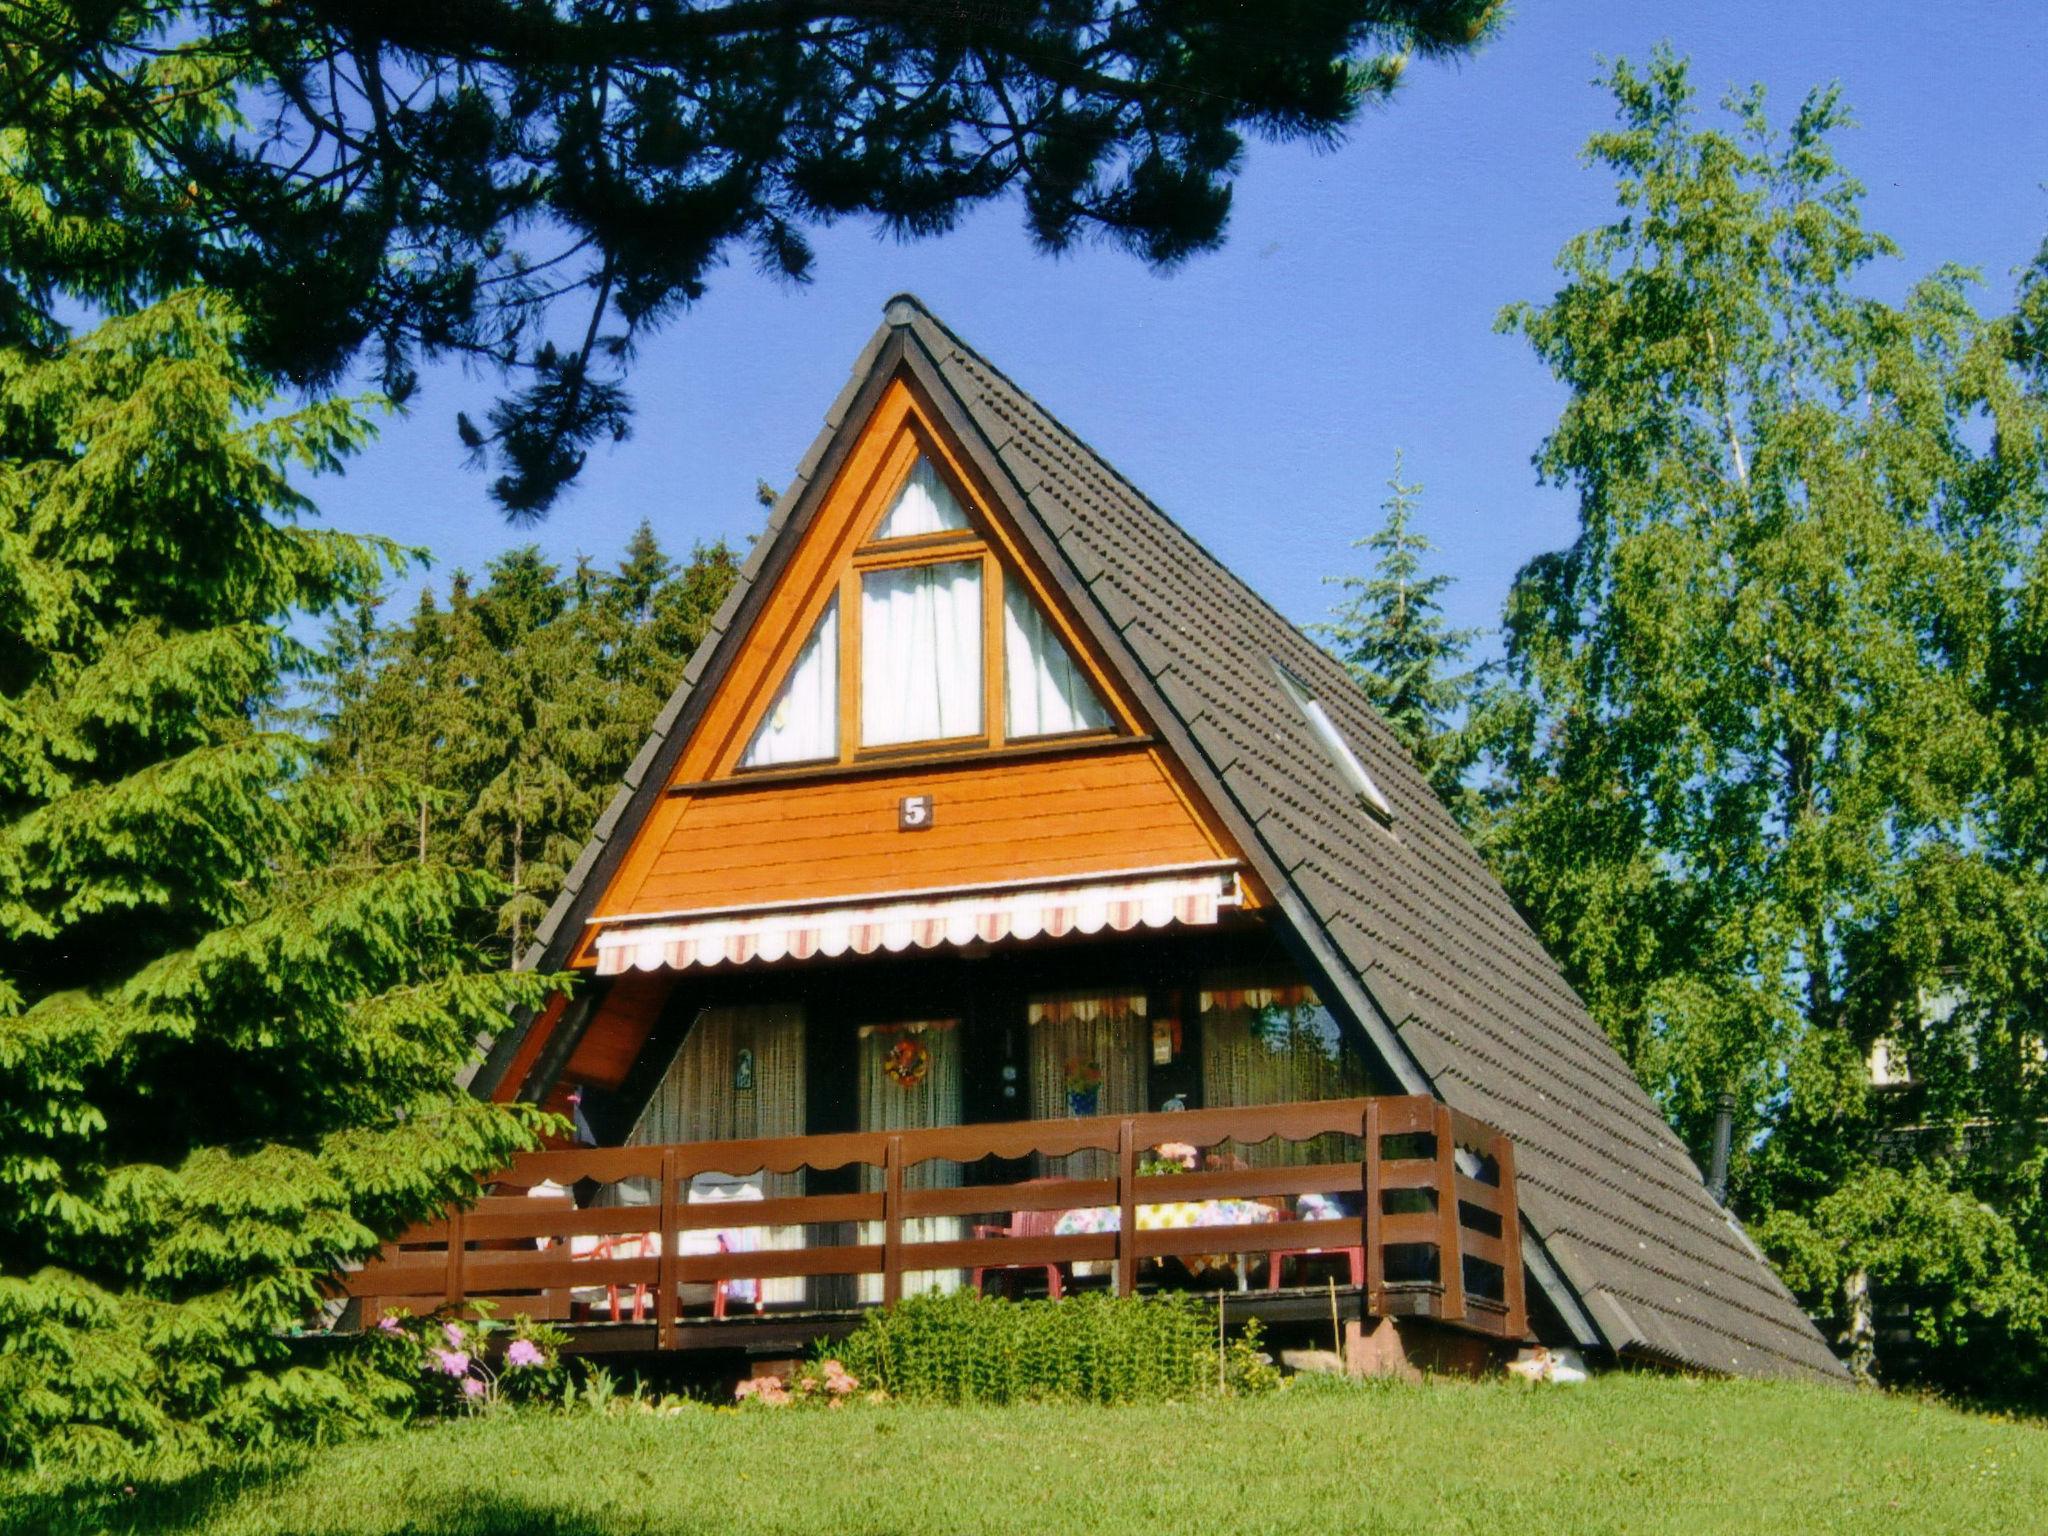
[(948, 546)]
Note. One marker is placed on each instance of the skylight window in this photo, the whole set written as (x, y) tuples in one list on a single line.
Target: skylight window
[(1342, 758), (925, 505)]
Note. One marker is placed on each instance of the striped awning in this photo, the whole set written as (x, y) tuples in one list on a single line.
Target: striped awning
[(899, 923)]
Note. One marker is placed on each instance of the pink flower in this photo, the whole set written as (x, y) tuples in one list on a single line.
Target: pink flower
[(523, 1352), (471, 1387), (453, 1361), (453, 1333), (763, 1389), (388, 1323)]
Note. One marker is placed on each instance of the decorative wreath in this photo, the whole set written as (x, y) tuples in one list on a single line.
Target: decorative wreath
[(908, 1061)]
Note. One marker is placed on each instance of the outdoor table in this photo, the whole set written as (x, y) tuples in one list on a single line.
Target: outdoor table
[(1173, 1215)]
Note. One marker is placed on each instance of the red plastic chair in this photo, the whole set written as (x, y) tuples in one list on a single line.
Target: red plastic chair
[(1028, 1224)]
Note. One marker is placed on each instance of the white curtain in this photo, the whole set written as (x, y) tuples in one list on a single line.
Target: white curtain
[(802, 725), (926, 504), (1048, 695), (910, 1081), (920, 653), (1278, 1045), (738, 1076), (1089, 1056)]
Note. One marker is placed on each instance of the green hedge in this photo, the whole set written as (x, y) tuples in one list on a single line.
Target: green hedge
[(964, 1348)]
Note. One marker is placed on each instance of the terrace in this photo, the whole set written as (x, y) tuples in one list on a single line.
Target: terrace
[(1407, 1210)]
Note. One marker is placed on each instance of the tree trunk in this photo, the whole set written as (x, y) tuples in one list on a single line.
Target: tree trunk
[(1861, 1335)]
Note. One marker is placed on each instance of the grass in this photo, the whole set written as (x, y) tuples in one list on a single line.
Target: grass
[(1635, 1454)]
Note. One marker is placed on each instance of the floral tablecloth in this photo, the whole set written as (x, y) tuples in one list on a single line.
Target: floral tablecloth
[(1172, 1215)]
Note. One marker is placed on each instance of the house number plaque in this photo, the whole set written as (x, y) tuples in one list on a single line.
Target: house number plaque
[(913, 813)]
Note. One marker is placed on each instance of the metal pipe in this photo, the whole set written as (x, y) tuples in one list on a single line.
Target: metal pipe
[(1724, 1130)]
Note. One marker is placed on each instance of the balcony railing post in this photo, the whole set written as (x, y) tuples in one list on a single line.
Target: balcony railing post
[(1450, 1245), (892, 1222), (456, 1244), (1517, 1321), (1126, 1207), (668, 1299), (1369, 1217)]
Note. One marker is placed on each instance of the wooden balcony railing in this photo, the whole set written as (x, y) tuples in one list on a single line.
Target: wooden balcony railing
[(1439, 1240)]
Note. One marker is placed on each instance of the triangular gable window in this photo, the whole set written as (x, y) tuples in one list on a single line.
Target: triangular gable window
[(933, 637), (802, 725), (1047, 692), (925, 505)]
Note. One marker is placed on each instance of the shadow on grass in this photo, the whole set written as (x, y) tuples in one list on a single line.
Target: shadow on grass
[(206, 1502)]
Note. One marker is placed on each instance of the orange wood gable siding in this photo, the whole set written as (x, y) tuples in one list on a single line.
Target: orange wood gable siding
[(1099, 806), (1093, 811)]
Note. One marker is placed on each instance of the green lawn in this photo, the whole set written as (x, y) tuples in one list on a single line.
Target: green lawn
[(1624, 1454)]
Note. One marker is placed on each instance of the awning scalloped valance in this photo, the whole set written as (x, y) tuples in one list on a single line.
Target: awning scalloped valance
[(898, 924)]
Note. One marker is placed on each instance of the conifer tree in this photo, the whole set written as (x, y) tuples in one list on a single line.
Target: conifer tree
[(1390, 632), (228, 1043), (505, 720)]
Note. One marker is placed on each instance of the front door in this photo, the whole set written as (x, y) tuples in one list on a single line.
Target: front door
[(909, 1080)]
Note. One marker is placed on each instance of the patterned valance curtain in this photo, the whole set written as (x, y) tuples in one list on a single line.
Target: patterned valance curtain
[(910, 1081), (1089, 1055), (1276, 1044)]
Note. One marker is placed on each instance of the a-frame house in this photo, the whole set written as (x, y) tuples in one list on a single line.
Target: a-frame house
[(993, 797)]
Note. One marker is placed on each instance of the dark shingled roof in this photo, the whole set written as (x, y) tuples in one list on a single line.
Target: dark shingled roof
[(1410, 934)]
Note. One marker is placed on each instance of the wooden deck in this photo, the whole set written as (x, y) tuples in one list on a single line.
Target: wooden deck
[(1438, 1240)]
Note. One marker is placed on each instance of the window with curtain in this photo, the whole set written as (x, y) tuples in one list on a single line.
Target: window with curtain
[(1278, 1045), (1089, 1052), (802, 725), (737, 1076), (910, 1081), (1045, 693), (926, 504), (920, 653)]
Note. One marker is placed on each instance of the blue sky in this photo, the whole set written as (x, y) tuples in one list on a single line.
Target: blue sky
[(1258, 394)]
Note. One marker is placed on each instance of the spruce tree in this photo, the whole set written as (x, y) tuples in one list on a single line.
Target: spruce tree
[(1390, 632), (228, 1042), (503, 722)]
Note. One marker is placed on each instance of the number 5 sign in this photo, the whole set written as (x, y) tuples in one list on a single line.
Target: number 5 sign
[(913, 813)]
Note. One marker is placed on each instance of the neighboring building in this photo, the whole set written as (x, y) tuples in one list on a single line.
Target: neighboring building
[(992, 796)]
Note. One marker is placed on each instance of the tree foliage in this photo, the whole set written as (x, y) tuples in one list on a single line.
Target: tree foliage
[(1390, 633), (227, 1056), (417, 181), (496, 725), (1772, 792)]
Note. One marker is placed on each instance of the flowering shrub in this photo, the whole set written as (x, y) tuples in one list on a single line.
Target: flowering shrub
[(447, 1361), (818, 1383)]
